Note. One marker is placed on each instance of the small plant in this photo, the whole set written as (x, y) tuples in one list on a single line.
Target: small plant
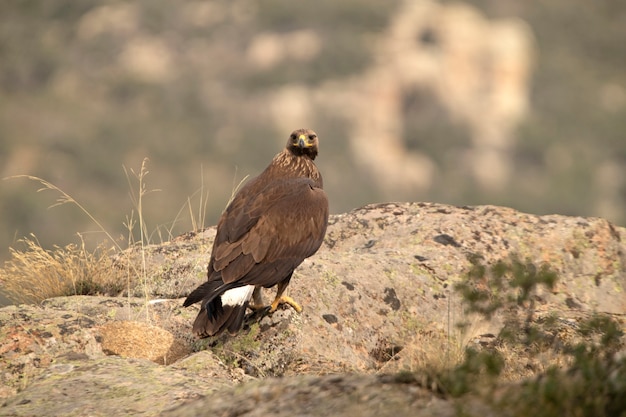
[(235, 352), (594, 385), (511, 289), (590, 381), (488, 290), (480, 370)]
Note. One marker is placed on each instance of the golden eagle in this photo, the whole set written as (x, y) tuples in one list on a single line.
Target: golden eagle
[(273, 223)]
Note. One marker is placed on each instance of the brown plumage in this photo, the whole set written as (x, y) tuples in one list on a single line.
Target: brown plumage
[(272, 224)]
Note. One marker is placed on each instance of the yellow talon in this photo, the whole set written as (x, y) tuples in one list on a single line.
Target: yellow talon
[(284, 299)]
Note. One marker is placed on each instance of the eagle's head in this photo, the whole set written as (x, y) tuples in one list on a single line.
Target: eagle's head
[(303, 142)]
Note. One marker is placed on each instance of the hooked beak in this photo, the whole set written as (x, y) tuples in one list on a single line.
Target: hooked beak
[(302, 141)]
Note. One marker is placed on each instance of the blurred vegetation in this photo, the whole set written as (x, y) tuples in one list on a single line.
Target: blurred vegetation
[(75, 111), (584, 369)]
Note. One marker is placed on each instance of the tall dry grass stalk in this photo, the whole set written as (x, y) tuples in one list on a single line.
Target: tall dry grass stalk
[(197, 215), (137, 199), (236, 188), (197, 221)]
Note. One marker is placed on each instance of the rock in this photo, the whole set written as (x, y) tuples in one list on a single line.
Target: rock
[(378, 299), (108, 386), (331, 395), (131, 339)]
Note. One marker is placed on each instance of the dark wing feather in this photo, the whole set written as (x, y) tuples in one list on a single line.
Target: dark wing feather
[(298, 222), (237, 219), (277, 229)]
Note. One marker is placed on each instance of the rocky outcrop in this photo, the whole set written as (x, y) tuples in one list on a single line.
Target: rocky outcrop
[(378, 298)]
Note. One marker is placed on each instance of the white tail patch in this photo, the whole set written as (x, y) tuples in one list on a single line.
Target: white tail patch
[(237, 296)]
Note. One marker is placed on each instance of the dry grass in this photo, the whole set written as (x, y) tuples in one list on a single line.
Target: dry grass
[(430, 350), (34, 274)]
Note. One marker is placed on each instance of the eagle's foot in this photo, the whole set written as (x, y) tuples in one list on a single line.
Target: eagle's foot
[(284, 299), (258, 312)]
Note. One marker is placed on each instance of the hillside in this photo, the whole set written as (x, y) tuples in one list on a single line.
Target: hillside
[(480, 102)]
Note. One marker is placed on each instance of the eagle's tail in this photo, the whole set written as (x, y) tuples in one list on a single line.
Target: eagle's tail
[(222, 312)]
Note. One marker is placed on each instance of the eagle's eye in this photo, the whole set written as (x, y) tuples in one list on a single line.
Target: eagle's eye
[(311, 138)]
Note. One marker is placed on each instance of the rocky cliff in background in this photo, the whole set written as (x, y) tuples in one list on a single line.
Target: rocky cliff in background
[(432, 57), (378, 298), (463, 102)]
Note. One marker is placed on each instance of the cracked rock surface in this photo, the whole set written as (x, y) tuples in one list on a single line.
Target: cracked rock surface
[(378, 297)]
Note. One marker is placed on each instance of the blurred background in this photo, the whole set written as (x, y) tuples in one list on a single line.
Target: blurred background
[(500, 102)]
